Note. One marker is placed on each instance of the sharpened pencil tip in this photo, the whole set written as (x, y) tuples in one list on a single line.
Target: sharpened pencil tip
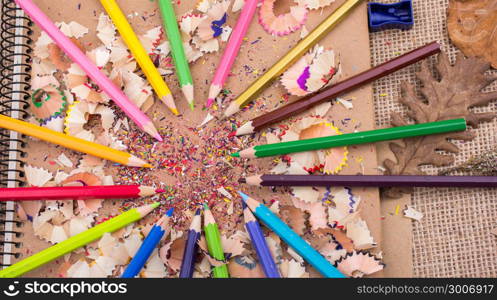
[(197, 212), (147, 166), (192, 106), (210, 101), (244, 205), (170, 212), (245, 197), (158, 137), (159, 191), (242, 180), (155, 205), (206, 207), (237, 154)]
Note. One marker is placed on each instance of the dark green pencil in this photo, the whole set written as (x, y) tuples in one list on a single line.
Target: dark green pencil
[(356, 138)]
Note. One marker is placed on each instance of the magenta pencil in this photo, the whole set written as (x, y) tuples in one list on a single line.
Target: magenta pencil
[(232, 49)]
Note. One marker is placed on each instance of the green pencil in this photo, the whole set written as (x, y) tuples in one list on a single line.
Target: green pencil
[(353, 138), (177, 50), (76, 241), (213, 238)]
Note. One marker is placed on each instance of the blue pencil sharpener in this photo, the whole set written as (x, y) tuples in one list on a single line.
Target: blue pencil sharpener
[(390, 16)]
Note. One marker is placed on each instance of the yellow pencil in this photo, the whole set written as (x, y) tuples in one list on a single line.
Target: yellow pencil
[(128, 35), (291, 57), (71, 142)]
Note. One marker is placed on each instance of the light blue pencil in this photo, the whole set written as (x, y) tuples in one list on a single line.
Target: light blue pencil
[(151, 241), (290, 237)]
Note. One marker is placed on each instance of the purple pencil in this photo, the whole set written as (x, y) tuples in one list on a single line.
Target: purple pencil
[(259, 243), (372, 181), (191, 248)]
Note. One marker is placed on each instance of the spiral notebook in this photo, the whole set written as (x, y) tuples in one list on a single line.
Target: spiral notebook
[(18, 241), (14, 88)]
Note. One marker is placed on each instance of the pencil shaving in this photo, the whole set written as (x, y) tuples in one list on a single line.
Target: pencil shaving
[(274, 245), (212, 25), (358, 232), (332, 251), (245, 267), (345, 205), (294, 217), (329, 161), (314, 4), (85, 207), (412, 213), (237, 5), (317, 69), (293, 269), (358, 264), (171, 253)]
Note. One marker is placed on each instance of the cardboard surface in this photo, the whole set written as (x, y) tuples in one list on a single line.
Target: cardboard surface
[(350, 39)]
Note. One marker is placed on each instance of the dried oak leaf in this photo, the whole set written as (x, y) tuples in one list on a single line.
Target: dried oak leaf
[(472, 28), (453, 96)]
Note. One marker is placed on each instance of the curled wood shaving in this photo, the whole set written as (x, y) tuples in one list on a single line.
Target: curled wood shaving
[(453, 96), (358, 264)]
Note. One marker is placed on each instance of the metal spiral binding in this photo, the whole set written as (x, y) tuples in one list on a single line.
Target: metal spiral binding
[(12, 100)]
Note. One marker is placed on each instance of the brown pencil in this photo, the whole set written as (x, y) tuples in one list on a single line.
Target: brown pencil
[(338, 89)]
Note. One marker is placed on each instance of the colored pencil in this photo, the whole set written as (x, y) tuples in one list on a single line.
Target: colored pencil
[(77, 241), (153, 238), (140, 54), (71, 142), (232, 49), (338, 89), (259, 242), (77, 192), (191, 247), (291, 57), (371, 181), (177, 50), (105, 84), (356, 138), (290, 237), (214, 244)]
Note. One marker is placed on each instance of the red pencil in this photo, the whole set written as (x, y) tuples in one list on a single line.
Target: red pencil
[(77, 192)]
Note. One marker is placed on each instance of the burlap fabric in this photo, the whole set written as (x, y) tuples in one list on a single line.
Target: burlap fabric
[(454, 238)]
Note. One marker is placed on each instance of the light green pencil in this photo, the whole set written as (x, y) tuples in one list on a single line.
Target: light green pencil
[(356, 138), (214, 244), (77, 241), (177, 50)]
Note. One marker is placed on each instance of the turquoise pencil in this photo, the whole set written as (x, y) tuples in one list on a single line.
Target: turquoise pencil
[(298, 244)]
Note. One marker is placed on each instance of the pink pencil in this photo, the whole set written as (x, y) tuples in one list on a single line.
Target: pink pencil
[(232, 49), (89, 67)]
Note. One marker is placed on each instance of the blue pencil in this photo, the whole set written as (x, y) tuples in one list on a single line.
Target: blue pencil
[(191, 248), (298, 244), (151, 241), (259, 243)]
